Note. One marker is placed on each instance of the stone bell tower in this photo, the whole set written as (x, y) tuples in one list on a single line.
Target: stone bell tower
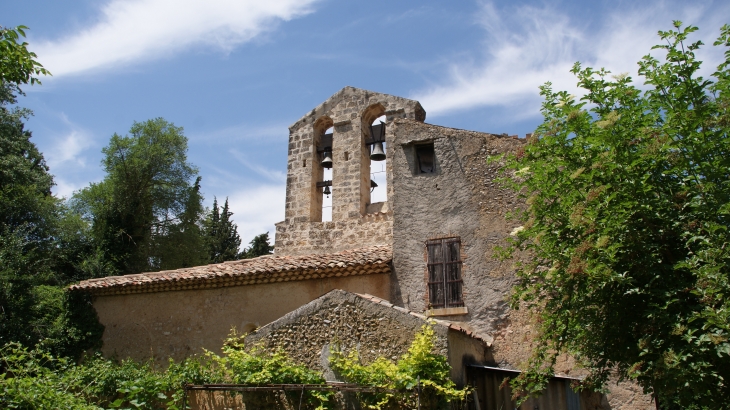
[(356, 222)]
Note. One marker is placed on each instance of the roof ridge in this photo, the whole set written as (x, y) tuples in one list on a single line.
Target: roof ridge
[(267, 268)]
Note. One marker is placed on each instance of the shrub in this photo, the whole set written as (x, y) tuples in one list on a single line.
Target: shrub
[(399, 379)]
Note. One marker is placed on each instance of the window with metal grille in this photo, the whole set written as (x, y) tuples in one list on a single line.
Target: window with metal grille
[(444, 273)]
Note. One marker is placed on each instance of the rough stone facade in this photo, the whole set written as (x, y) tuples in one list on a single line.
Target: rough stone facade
[(369, 324), (355, 221), (459, 199)]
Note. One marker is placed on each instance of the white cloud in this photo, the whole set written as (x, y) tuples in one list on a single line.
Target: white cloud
[(526, 46), (64, 188), (133, 30), (256, 210), (67, 151), (68, 158), (244, 132), (273, 175)]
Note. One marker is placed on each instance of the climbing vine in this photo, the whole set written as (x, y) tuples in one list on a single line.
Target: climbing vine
[(418, 367)]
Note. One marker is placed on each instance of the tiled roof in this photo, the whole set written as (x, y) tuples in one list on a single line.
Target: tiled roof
[(451, 325), (264, 269)]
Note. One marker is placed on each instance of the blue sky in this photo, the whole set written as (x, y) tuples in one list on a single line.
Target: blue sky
[(236, 73)]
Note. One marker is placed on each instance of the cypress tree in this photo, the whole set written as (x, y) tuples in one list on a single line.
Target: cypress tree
[(222, 234)]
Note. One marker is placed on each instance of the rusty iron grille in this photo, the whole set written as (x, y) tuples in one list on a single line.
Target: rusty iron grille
[(444, 273)]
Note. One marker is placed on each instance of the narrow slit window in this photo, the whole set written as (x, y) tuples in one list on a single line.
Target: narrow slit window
[(426, 159), (444, 273)]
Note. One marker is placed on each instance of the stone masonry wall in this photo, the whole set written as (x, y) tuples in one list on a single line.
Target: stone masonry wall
[(461, 198), (307, 333), (350, 112)]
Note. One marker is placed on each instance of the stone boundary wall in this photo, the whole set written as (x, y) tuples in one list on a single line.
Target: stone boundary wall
[(348, 320)]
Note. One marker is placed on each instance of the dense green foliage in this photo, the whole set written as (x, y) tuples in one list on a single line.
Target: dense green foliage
[(258, 366), (35, 379), (418, 365), (40, 244), (146, 214), (17, 64), (147, 206), (626, 227), (221, 234), (258, 246), (26, 211)]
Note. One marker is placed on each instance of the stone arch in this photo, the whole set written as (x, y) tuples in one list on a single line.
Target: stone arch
[(319, 127), (322, 124), (369, 114)]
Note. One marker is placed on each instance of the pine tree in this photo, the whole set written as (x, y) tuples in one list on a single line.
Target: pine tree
[(222, 234), (259, 247)]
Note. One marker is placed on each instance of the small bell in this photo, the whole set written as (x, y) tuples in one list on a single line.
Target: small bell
[(378, 153), (327, 191), (327, 160)]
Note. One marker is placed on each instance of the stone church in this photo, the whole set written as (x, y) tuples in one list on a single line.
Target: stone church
[(373, 272)]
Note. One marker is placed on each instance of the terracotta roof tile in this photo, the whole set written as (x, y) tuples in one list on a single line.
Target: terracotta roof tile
[(264, 269)]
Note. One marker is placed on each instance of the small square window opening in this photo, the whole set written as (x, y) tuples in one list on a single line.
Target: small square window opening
[(426, 159)]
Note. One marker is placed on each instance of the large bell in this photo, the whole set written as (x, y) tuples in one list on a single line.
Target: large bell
[(327, 160), (327, 190), (378, 154)]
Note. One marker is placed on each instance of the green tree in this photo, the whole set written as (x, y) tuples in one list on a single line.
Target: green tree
[(626, 228), (259, 246), (146, 199), (27, 212), (184, 243), (221, 234), (17, 64), (41, 241), (25, 182)]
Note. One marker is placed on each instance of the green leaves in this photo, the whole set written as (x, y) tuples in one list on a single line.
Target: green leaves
[(627, 228), (146, 212), (221, 235), (418, 365), (17, 64)]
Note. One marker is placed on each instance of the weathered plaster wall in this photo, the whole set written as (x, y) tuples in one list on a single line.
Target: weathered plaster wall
[(461, 198), (465, 350), (354, 322), (178, 324), (350, 112)]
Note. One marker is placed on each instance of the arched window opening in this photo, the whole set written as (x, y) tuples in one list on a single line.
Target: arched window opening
[(373, 176), (379, 192), (322, 162), (327, 176)]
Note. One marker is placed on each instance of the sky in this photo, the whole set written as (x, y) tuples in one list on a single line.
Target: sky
[(236, 73)]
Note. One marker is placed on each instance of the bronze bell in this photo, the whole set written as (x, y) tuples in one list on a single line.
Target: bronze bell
[(327, 189), (378, 154), (327, 160)]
